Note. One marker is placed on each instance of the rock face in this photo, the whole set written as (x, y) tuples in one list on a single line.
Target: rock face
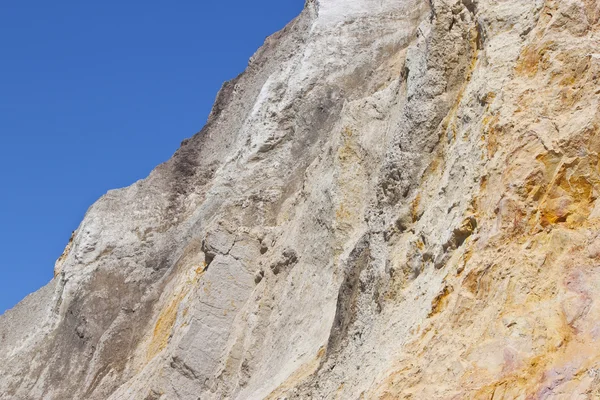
[(399, 199)]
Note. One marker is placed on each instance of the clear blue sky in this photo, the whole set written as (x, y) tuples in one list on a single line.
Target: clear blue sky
[(94, 95)]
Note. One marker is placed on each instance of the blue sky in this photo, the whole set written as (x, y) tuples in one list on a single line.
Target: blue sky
[(94, 95)]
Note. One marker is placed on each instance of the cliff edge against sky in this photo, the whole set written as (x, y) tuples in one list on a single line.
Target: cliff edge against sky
[(398, 199)]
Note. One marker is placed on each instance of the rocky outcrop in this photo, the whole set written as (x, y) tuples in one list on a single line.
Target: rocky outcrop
[(397, 199)]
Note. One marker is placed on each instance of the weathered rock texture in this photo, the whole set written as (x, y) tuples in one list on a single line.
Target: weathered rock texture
[(397, 200)]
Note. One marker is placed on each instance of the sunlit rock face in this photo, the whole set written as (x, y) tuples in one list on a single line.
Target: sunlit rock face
[(399, 199)]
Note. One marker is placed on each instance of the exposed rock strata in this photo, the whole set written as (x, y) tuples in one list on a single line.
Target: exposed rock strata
[(397, 199)]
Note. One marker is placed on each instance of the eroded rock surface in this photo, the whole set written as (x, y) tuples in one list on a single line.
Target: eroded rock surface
[(397, 200)]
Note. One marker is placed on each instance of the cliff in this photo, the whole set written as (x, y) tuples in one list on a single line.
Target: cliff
[(398, 199)]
